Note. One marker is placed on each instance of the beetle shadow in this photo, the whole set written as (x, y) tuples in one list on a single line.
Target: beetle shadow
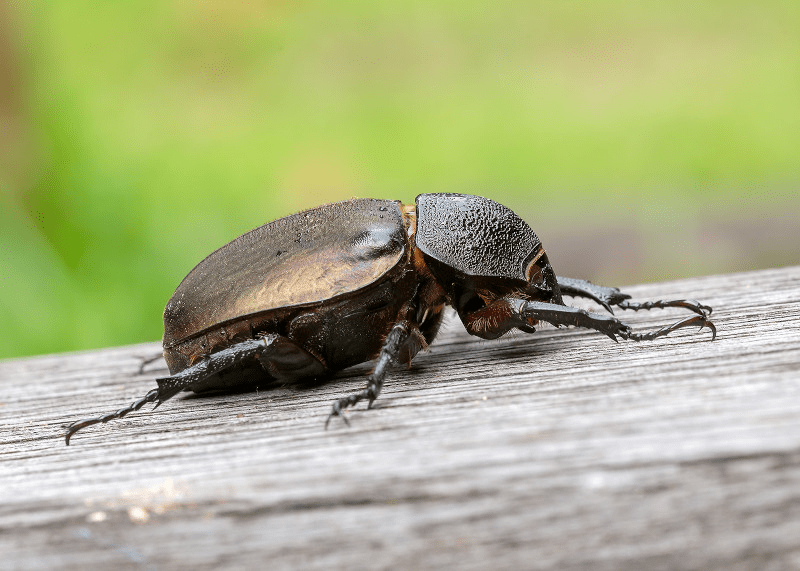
[(514, 349), (512, 346), (262, 383), (532, 349), (238, 390), (356, 373)]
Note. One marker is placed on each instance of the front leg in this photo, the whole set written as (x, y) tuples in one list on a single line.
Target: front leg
[(565, 315), (507, 313), (608, 296)]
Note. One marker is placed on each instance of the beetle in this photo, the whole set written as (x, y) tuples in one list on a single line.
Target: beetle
[(344, 283)]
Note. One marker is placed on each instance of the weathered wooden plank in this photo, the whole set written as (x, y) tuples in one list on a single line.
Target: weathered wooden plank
[(558, 451)]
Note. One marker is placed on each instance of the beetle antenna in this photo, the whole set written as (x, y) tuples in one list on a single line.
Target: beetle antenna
[(134, 406)]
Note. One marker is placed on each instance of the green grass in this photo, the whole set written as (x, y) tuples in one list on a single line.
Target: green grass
[(146, 134)]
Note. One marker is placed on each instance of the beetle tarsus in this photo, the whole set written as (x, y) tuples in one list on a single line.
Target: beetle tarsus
[(370, 393), (690, 304), (134, 406), (392, 346), (700, 320), (337, 410), (608, 296)]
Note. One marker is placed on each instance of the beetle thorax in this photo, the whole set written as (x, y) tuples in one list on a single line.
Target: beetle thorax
[(475, 236)]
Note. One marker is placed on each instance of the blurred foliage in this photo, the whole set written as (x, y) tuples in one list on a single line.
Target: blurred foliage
[(138, 136)]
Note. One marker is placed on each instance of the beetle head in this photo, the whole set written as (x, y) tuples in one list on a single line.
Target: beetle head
[(478, 249), (542, 282)]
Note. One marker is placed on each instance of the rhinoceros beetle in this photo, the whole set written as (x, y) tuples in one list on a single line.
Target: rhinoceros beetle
[(315, 292)]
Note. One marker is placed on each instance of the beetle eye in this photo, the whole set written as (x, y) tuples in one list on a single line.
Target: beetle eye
[(533, 272)]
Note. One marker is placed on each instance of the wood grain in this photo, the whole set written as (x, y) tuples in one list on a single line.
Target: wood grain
[(561, 450)]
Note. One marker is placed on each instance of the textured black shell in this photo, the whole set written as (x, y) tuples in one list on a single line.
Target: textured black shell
[(304, 258), (474, 235)]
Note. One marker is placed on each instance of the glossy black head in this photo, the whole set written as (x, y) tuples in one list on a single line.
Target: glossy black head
[(472, 242)]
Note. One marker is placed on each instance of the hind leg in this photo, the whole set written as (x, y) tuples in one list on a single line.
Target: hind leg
[(279, 356)]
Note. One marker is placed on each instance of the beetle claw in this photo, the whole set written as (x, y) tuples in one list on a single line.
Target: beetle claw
[(337, 410), (711, 326)]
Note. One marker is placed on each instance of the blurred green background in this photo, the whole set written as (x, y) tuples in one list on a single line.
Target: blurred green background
[(641, 140)]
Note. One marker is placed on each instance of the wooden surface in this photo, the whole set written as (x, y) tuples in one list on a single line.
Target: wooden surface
[(561, 450)]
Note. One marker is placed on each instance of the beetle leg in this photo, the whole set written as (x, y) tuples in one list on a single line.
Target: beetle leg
[(214, 363), (689, 304), (147, 360), (134, 406), (565, 315), (396, 342), (608, 296), (605, 296), (266, 348)]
